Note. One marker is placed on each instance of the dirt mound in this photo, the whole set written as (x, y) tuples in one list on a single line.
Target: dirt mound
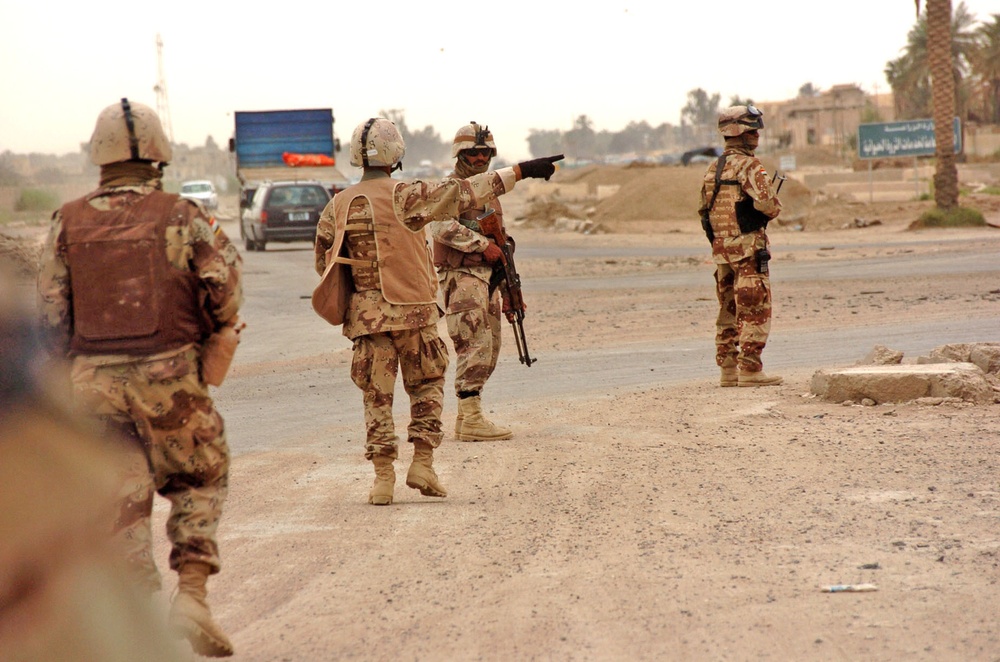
[(20, 255)]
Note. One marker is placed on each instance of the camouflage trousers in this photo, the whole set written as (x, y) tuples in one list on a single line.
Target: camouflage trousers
[(172, 442), (744, 320), (474, 324), (422, 357)]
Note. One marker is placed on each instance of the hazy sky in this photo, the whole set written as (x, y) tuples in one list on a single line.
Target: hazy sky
[(526, 65)]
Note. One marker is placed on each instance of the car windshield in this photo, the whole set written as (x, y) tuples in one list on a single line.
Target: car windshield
[(298, 196), (196, 188)]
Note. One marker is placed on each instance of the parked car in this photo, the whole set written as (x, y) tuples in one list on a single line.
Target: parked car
[(201, 190), (283, 211)]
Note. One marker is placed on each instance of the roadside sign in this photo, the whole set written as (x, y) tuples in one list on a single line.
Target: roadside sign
[(898, 139)]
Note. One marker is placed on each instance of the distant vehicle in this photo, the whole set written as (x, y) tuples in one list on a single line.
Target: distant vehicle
[(285, 145), (201, 190), (283, 211), (701, 155)]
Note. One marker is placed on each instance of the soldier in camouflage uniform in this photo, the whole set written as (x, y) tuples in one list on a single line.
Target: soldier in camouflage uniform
[(464, 258), (737, 201), (132, 282), (372, 234)]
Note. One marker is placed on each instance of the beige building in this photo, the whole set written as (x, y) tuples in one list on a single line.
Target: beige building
[(829, 119)]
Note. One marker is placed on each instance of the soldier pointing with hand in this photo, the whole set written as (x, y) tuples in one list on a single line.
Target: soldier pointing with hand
[(378, 282)]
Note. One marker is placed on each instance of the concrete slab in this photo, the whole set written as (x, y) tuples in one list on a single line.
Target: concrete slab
[(903, 383)]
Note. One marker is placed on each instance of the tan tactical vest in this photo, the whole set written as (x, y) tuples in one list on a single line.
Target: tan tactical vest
[(723, 213), (399, 256), (127, 297), (446, 257)]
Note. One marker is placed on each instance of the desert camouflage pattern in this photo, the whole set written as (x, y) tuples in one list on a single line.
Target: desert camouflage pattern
[(194, 241), (416, 204), (384, 146), (473, 135), (744, 320), (743, 167), (422, 357), (175, 445), (472, 315), (389, 338), (474, 324), (158, 404)]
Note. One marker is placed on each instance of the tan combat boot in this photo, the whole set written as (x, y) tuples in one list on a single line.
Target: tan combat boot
[(421, 475), (473, 426), (385, 480), (730, 375), (189, 615), (758, 378)]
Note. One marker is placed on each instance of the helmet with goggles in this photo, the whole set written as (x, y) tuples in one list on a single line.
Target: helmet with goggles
[(473, 136), (737, 120)]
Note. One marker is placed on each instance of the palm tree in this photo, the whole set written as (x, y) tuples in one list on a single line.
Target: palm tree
[(909, 74), (939, 61), (986, 65)]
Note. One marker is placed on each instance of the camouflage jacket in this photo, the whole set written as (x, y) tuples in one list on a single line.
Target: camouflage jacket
[(742, 176)]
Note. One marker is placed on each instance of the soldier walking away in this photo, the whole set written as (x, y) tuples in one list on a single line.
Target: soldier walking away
[(737, 201), (135, 287), (378, 282), (464, 258)]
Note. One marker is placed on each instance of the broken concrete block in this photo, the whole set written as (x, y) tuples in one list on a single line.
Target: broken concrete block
[(882, 355), (903, 383), (987, 357)]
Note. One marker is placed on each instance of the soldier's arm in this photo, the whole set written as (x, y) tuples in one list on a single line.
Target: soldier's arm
[(454, 234), (419, 203), (757, 185), (218, 266), (325, 232), (55, 304)]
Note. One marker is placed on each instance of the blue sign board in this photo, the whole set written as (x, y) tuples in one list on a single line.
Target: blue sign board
[(887, 140)]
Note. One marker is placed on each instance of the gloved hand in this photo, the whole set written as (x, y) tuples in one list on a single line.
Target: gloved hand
[(493, 254), (542, 168)]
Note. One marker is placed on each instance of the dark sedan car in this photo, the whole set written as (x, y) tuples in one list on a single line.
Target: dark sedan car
[(283, 211)]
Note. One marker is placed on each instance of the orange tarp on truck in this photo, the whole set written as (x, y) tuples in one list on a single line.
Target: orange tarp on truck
[(307, 159)]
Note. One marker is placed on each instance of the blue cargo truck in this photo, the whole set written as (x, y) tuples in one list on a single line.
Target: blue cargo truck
[(263, 138)]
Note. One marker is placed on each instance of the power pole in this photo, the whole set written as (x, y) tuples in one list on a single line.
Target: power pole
[(162, 103)]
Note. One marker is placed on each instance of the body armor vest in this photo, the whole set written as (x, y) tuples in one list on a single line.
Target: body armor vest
[(383, 253), (127, 297)]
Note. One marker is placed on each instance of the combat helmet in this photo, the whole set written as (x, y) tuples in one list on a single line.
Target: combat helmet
[(473, 135), (737, 120), (129, 131), (377, 143)]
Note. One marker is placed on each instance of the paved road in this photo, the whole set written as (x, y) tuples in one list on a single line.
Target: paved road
[(292, 380)]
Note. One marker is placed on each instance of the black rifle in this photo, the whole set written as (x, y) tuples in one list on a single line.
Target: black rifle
[(506, 278)]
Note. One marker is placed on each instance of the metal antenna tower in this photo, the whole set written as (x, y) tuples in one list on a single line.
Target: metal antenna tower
[(162, 103)]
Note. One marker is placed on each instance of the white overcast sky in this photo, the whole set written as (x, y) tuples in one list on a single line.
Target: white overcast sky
[(513, 65)]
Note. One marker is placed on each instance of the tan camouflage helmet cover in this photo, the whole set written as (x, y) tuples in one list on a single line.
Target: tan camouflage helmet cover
[(129, 131), (383, 146), (737, 120), (473, 135)]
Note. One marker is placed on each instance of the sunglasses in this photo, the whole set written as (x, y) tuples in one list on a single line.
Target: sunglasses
[(478, 151)]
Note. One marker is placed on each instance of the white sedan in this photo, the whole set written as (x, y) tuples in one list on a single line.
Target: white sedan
[(201, 190)]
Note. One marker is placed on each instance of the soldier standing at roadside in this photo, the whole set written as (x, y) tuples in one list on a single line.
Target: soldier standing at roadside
[(464, 258), (133, 284), (378, 278), (736, 204)]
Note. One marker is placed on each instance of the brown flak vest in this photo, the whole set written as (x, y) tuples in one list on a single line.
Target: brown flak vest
[(402, 257), (127, 297)]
